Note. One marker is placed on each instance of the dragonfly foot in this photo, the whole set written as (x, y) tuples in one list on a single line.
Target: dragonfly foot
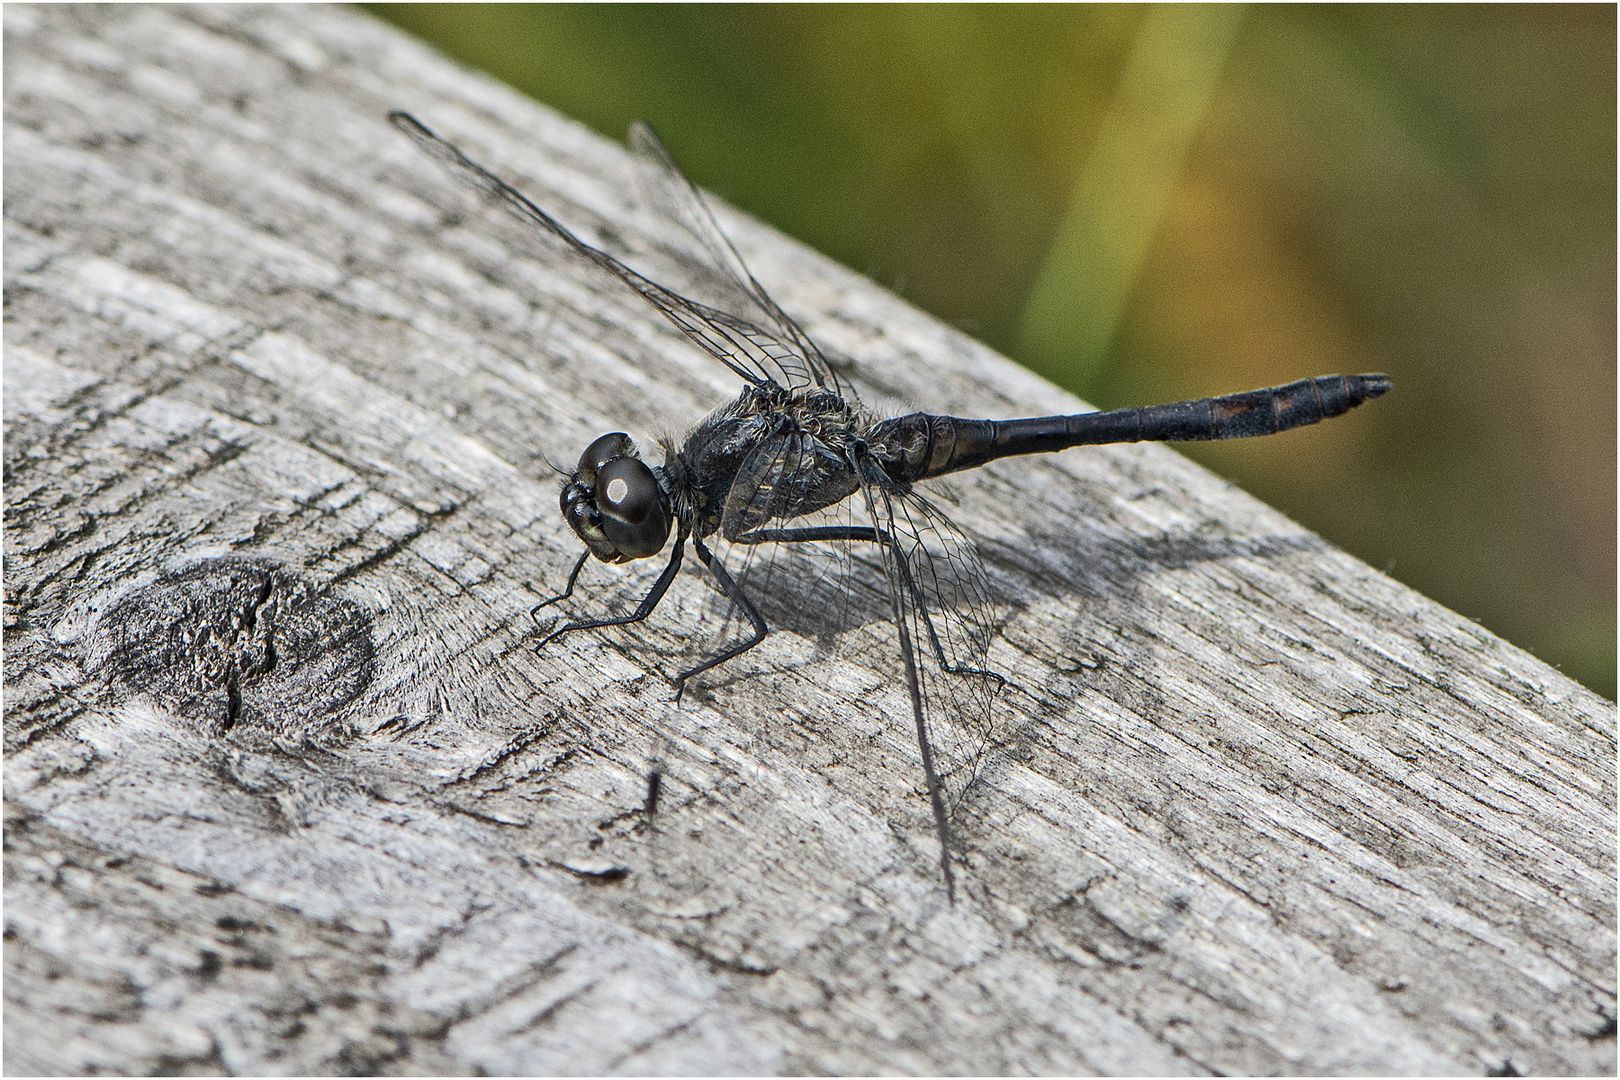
[(540, 646)]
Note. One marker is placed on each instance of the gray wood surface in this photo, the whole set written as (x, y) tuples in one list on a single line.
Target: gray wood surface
[(287, 791)]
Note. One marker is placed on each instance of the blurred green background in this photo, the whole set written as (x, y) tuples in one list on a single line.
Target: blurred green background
[(1148, 204)]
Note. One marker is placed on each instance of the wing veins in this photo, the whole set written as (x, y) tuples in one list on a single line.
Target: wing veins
[(740, 344)]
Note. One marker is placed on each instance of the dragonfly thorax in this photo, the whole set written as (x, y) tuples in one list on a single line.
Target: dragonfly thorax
[(614, 502)]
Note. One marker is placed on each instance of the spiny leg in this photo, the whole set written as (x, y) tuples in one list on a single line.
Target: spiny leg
[(865, 534), (734, 593), (872, 535), (648, 602), (908, 583), (573, 576)]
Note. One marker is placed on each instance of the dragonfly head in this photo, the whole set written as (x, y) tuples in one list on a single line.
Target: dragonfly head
[(614, 503)]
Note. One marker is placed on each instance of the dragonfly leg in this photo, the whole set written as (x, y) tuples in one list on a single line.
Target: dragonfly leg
[(573, 576), (872, 535), (644, 609), (734, 593)]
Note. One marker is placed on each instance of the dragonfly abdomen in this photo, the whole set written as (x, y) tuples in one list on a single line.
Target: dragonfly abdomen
[(935, 445)]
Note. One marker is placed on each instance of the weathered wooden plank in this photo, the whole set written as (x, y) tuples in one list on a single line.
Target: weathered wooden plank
[(1266, 811)]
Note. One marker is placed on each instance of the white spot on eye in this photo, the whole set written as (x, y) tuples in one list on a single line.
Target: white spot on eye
[(617, 490)]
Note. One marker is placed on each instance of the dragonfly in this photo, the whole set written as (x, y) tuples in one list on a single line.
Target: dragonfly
[(796, 460)]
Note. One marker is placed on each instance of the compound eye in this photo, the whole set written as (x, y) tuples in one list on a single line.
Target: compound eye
[(615, 444), (634, 514)]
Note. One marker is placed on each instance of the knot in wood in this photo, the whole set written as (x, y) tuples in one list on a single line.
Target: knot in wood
[(237, 641)]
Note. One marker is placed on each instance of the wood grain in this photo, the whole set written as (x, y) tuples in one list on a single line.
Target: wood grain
[(273, 380)]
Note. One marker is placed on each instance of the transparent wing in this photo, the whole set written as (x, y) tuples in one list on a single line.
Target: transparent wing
[(668, 190), (810, 588), (808, 566), (755, 353), (942, 610), (929, 578)]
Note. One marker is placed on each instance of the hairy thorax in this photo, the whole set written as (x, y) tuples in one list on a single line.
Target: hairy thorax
[(770, 455)]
